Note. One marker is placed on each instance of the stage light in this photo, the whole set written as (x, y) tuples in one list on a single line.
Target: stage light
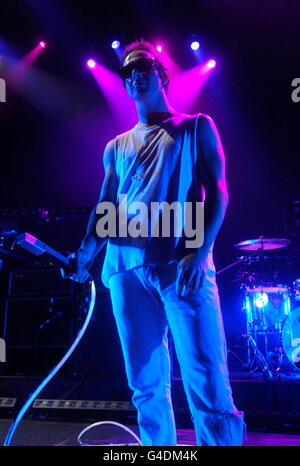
[(7, 402), (195, 45), (91, 63), (74, 404), (159, 48), (211, 64), (261, 300), (43, 44), (115, 44)]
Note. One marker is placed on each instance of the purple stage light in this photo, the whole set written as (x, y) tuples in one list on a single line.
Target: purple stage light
[(211, 63), (159, 48), (195, 45), (91, 63), (123, 109), (20, 69), (186, 87), (115, 44)]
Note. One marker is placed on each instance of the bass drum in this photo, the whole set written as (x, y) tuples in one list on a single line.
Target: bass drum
[(291, 337)]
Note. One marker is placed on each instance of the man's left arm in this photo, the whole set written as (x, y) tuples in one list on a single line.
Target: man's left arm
[(193, 267)]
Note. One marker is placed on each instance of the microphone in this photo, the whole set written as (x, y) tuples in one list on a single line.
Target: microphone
[(35, 246)]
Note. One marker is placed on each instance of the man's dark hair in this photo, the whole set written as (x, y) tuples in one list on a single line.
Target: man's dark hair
[(148, 47)]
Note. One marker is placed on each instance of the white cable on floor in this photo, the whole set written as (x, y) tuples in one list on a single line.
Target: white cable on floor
[(102, 423)]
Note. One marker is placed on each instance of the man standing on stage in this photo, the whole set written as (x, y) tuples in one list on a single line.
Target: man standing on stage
[(159, 282)]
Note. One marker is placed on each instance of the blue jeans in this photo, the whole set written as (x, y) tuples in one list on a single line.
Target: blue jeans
[(145, 305)]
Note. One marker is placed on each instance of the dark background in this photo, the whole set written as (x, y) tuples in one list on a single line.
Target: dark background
[(52, 138)]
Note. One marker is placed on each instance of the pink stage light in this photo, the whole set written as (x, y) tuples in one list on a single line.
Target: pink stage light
[(211, 63), (91, 63), (18, 73), (171, 66), (186, 87), (122, 107)]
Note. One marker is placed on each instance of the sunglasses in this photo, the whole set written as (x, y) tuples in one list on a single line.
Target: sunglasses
[(143, 65)]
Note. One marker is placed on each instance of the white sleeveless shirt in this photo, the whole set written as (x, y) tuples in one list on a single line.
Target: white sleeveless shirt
[(154, 164)]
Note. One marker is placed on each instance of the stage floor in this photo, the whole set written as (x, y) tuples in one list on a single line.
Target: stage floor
[(52, 433), (271, 408)]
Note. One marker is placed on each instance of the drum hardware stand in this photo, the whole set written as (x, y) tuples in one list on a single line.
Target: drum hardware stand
[(240, 259), (258, 357), (229, 351)]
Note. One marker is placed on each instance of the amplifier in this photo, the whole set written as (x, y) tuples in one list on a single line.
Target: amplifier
[(37, 332), (38, 282)]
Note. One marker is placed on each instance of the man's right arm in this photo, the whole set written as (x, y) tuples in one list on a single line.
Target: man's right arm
[(91, 244)]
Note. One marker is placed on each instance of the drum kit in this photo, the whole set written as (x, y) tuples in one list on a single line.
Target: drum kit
[(272, 312)]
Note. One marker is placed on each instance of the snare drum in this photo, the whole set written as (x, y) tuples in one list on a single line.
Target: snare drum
[(267, 307), (291, 337)]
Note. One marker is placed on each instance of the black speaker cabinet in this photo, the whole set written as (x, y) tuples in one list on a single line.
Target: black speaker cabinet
[(37, 332)]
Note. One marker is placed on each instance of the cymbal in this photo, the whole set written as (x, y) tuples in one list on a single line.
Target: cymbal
[(262, 244)]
